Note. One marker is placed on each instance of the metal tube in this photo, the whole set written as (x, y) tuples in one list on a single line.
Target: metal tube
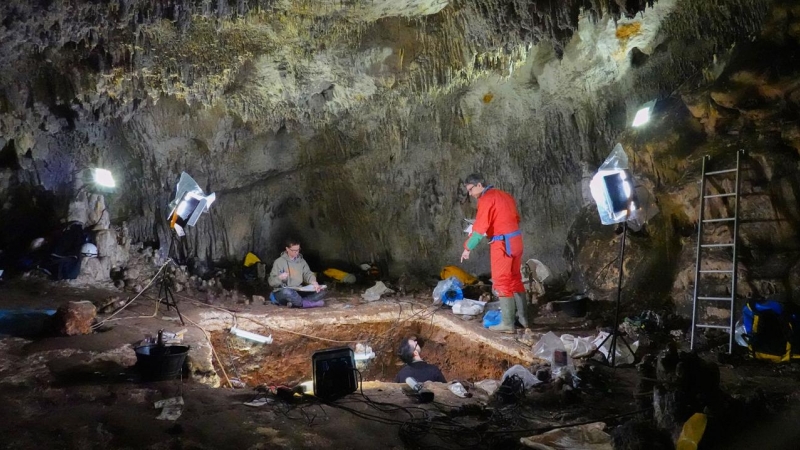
[(734, 278), (699, 242)]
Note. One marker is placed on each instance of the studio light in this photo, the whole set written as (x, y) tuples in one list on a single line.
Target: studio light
[(643, 114), (103, 178), (189, 203), (613, 190)]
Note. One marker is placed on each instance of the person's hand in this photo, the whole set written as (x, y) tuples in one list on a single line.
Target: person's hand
[(317, 287), (464, 255), (283, 276)]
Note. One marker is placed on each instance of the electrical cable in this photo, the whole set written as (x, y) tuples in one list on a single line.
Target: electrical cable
[(213, 351), (109, 318)]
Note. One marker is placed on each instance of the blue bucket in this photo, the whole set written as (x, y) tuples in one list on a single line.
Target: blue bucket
[(452, 295)]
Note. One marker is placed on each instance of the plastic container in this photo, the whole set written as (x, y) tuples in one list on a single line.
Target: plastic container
[(452, 295), (160, 362), (448, 291)]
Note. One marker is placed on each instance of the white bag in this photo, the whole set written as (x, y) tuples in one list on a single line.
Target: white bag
[(468, 307), (578, 347)]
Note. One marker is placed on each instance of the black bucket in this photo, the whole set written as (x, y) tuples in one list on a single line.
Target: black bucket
[(575, 307), (160, 362)]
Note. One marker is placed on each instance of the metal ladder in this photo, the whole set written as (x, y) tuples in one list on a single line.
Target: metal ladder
[(702, 246)]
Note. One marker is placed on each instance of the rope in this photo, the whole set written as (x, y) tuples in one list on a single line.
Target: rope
[(150, 283)]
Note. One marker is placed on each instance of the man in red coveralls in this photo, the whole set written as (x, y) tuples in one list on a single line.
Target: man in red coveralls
[(498, 220)]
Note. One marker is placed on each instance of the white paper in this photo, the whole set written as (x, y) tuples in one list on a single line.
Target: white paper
[(171, 412), (168, 402), (307, 288)]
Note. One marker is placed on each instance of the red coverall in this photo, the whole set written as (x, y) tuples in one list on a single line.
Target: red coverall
[(498, 216)]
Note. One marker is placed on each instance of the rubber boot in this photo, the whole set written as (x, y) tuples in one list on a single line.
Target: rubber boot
[(508, 311), (313, 304), (523, 311)]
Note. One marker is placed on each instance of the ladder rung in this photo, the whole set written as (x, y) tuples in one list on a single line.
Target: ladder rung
[(719, 327), (729, 194), (720, 172), (716, 245), (716, 271), (724, 219), (716, 298)]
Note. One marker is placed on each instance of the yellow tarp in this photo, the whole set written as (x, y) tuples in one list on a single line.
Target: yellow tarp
[(454, 271), (250, 259), (340, 275)]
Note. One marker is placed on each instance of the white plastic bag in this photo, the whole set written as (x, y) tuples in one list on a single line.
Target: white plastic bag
[(528, 379), (548, 344), (374, 293), (589, 436), (578, 347), (488, 385), (740, 333), (468, 307), (623, 355)]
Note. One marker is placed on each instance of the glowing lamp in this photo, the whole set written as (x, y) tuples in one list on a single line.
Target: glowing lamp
[(103, 178), (643, 115)]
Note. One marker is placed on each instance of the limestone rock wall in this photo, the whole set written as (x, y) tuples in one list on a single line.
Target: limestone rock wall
[(747, 102), (348, 126)]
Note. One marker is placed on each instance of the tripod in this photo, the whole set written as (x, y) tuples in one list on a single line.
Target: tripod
[(165, 295), (615, 333)]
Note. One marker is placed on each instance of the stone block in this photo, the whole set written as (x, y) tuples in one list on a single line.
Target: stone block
[(95, 269), (107, 247), (106, 242), (75, 318), (78, 211), (131, 273)]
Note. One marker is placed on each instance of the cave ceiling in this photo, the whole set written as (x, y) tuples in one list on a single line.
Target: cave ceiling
[(329, 116), (268, 61)]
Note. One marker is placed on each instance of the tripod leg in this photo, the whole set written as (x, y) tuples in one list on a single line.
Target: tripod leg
[(171, 302)]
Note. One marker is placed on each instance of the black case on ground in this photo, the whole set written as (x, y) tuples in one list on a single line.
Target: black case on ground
[(334, 372)]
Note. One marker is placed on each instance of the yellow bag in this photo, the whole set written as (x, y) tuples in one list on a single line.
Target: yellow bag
[(340, 275), (692, 432), (454, 271), (250, 259)]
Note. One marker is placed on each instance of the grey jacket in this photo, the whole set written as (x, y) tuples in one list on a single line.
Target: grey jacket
[(298, 270)]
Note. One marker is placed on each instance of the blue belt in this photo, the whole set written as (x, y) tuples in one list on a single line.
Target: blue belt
[(506, 237)]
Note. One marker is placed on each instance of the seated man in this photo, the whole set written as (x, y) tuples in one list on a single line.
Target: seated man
[(415, 367), (289, 271)]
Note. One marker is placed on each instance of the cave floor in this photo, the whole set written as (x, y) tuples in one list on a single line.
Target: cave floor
[(82, 392)]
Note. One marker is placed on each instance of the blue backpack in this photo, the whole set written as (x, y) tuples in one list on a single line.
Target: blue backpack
[(772, 329)]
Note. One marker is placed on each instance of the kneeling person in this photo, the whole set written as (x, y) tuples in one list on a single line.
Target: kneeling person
[(416, 367), (289, 271)]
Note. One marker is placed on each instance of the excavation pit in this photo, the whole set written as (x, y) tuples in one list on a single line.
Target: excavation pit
[(461, 350)]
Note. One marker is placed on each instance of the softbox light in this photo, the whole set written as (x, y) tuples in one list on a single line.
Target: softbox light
[(616, 194), (189, 203)]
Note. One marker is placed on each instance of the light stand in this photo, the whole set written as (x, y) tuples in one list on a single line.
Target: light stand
[(615, 333), (185, 210), (165, 295), (617, 201)]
